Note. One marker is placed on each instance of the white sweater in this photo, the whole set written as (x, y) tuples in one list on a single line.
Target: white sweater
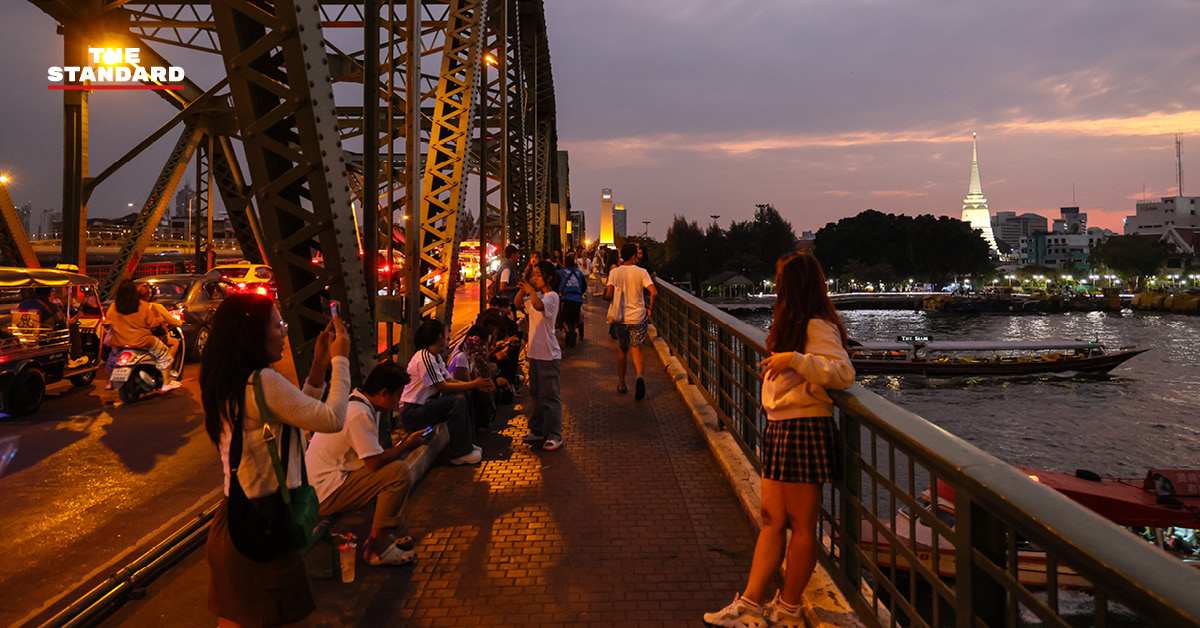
[(288, 404), (799, 391)]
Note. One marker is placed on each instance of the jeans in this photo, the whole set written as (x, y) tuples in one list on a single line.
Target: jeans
[(454, 410), (546, 419)]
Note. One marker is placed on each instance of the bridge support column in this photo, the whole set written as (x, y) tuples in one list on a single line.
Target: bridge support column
[(75, 154)]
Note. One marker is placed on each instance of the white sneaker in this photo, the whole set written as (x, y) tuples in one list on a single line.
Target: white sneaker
[(780, 618), (472, 458), (552, 444), (477, 448), (393, 555), (737, 615), (168, 387)]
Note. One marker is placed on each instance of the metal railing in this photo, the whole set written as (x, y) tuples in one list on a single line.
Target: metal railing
[(996, 548)]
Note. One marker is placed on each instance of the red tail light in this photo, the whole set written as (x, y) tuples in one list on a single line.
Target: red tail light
[(261, 290), (124, 358)]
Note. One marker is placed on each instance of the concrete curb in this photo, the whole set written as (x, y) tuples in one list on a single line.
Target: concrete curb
[(824, 605)]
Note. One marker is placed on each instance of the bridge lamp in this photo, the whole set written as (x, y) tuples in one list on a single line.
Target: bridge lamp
[(490, 59)]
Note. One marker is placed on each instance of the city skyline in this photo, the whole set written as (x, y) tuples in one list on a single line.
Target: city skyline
[(778, 107)]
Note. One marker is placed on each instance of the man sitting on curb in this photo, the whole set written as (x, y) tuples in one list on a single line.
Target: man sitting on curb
[(349, 468)]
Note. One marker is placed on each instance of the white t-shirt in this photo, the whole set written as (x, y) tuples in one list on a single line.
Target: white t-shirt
[(627, 282), (460, 360), (332, 457), (505, 273), (424, 370), (543, 345)]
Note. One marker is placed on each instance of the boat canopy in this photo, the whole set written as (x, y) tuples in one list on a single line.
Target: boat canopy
[(981, 345), (11, 277)]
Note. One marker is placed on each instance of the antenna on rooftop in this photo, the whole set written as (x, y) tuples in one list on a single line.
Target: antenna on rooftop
[(1179, 163)]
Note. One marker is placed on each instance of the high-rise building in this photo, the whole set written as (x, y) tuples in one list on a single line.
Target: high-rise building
[(619, 221), (1011, 227), (975, 207), (563, 197), (25, 212), (577, 228), (1157, 217), (606, 217)]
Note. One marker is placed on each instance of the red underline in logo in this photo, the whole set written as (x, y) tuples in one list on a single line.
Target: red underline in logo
[(93, 87)]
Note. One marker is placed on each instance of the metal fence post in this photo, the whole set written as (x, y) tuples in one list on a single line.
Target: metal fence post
[(849, 487)]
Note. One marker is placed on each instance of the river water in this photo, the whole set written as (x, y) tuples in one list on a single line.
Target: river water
[(1145, 414)]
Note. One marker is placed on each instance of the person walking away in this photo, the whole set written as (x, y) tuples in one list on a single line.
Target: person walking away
[(432, 396), (507, 283), (572, 285), (133, 322), (808, 357), (350, 469), (598, 270), (629, 314), (541, 301), (236, 379)]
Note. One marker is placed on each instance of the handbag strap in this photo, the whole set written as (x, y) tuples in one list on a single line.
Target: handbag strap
[(272, 447)]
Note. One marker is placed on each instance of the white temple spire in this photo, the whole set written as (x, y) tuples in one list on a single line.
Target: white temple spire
[(975, 207)]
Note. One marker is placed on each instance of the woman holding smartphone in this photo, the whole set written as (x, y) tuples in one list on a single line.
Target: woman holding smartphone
[(539, 297), (248, 336), (808, 344)]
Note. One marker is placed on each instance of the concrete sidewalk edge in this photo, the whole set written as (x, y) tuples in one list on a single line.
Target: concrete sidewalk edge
[(824, 605)]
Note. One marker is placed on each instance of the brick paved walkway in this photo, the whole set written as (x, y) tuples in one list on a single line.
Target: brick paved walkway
[(630, 524)]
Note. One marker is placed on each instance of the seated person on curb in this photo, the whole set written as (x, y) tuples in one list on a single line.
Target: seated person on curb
[(471, 360), (350, 469), (432, 396)]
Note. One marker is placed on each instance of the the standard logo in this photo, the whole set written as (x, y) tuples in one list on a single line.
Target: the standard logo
[(116, 68)]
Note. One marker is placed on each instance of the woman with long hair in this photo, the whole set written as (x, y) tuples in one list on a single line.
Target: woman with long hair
[(808, 345), (133, 322), (247, 337)]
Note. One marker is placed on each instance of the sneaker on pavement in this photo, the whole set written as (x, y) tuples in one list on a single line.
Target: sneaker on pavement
[(477, 448), (472, 458), (737, 615), (640, 389), (393, 555), (532, 438), (552, 444), (171, 386), (781, 618)]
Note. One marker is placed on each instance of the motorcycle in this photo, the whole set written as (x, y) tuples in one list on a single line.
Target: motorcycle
[(134, 371)]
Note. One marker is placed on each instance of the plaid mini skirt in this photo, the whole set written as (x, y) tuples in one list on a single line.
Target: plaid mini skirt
[(800, 450)]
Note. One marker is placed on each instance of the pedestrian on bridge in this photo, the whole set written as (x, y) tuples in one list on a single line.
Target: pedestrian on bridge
[(629, 314), (572, 284), (540, 299), (808, 345), (252, 581)]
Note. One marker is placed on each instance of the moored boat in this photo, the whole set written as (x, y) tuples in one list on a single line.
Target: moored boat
[(922, 356), (1163, 509)]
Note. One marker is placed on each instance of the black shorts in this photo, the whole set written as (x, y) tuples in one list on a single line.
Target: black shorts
[(569, 315), (800, 450)]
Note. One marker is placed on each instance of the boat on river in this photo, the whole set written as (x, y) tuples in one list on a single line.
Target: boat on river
[(1163, 509), (920, 355)]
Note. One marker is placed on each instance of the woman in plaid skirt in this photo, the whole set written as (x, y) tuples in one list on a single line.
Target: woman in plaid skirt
[(808, 356)]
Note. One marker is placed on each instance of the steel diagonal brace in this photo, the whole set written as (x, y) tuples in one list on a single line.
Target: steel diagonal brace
[(14, 243), (444, 177), (152, 211), (282, 93)]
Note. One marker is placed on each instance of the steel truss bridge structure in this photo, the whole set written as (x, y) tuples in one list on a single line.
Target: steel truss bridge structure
[(453, 87)]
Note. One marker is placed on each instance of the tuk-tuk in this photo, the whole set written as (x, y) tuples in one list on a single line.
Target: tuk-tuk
[(37, 349)]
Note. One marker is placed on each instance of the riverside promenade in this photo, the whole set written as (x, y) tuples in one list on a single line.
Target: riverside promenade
[(630, 524)]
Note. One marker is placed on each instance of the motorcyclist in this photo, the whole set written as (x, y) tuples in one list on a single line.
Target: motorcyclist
[(169, 320), (133, 322)]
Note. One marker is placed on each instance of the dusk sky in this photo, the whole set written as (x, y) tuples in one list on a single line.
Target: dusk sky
[(824, 109)]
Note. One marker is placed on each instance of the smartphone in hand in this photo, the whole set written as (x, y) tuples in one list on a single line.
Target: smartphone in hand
[(334, 309)]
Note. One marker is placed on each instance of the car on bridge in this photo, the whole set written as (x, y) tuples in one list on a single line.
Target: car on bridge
[(193, 299), (249, 277)]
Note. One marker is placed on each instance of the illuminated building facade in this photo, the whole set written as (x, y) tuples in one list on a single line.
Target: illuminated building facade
[(606, 217)]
